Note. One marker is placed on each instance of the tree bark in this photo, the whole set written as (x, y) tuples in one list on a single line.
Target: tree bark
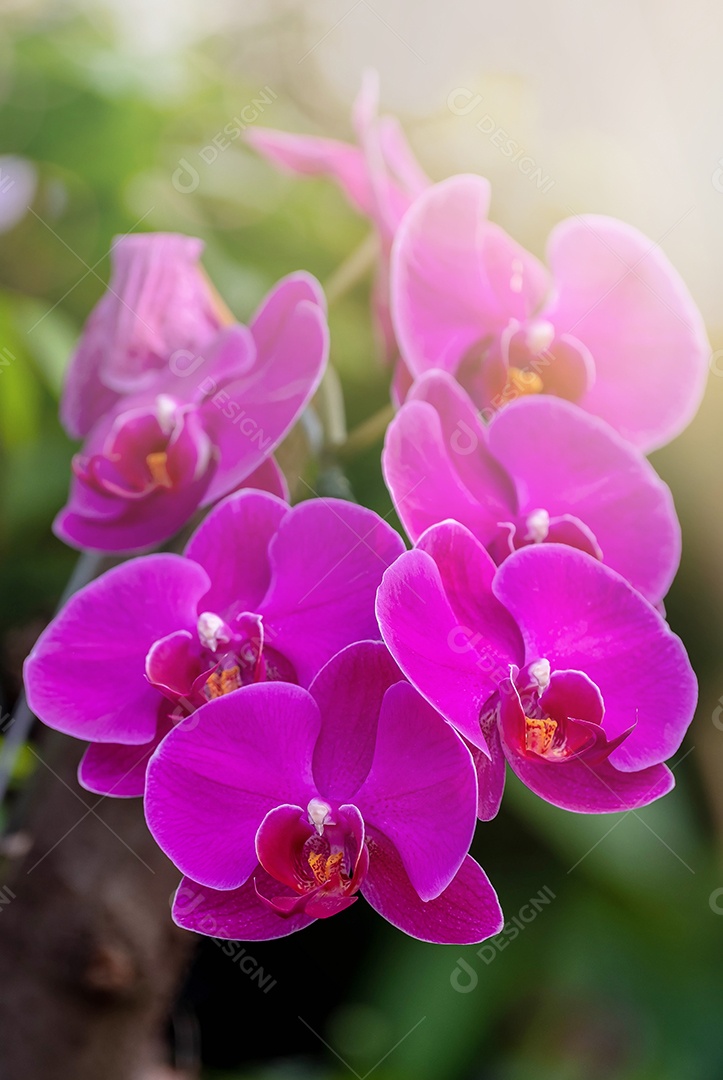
[(90, 960)]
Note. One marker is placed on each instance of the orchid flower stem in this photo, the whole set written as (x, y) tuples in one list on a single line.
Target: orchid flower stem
[(352, 270), (330, 399), (366, 434), (223, 311), (330, 404), (89, 566)]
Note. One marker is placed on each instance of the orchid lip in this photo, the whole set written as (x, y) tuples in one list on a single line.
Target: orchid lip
[(538, 527), (559, 716), (148, 449), (320, 854), (219, 659)]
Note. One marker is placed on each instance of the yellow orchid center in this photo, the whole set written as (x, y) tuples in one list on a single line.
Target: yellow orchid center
[(324, 867), (223, 682), (158, 468), (521, 382), (539, 734)]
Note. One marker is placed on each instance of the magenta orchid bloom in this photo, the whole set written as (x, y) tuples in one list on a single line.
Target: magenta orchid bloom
[(380, 178), (263, 592), (542, 471), (551, 660), (612, 327), (159, 303), (150, 463), (282, 804)]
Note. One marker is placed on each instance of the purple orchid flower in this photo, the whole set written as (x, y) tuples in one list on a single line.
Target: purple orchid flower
[(612, 328), (157, 457), (380, 177), (282, 804), (263, 592), (552, 661), (159, 303), (542, 471)]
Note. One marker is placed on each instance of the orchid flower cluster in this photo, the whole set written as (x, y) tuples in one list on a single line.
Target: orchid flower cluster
[(309, 709)]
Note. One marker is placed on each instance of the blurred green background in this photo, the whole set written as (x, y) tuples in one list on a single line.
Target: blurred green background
[(616, 972)]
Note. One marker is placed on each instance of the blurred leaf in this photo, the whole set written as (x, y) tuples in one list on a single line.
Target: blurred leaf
[(51, 337), (20, 400), (24, 765)]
